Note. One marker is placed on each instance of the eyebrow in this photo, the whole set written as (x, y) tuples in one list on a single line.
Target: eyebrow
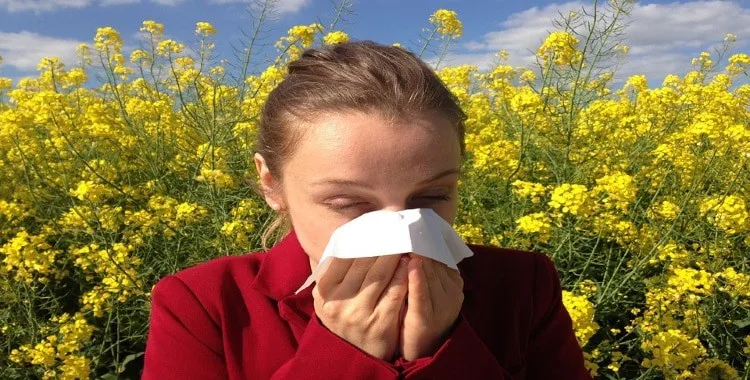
[(335, 181)]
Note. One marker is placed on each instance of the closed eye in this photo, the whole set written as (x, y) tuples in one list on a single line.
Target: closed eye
[(437, 197), (345, 206)]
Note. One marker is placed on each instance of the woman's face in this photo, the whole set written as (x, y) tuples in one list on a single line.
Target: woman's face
[(353, 163)]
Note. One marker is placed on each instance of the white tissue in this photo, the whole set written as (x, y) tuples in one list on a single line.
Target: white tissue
[(383, 232)]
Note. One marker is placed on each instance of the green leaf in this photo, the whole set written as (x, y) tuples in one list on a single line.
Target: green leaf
[(742, 323), (127, 360)]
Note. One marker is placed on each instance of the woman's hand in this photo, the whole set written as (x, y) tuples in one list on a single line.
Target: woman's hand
[(360, 300), (433, 305)]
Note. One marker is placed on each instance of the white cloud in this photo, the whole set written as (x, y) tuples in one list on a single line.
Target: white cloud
[(24, 50), (105, 3), (481, 60), (662, 37), (167, 2), (281, 6), (39, 6)]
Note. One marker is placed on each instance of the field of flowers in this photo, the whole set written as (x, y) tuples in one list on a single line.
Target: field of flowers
[(640, 195)]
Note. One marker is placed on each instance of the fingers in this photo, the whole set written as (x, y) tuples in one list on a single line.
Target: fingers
[(352, 282), (393, 298), (334, 275), (450, 278), (455, 276), (419, 298), (434, 279), (378, 277)]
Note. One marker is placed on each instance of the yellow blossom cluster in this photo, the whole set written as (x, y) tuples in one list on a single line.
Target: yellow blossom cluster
[(531, 190), (738, 64), (335, 37), (617, 191), (152, 27), (582, 313), (29, 258), (60, 354), (570, 199), (447, 23), (470, 233), (203, 28), (673, 351), (241, 226), (561, 48), (299, 38), (665, 210), (728, 213), (536, 223)]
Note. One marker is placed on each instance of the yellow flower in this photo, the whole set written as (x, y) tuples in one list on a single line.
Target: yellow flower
[(619, 191), (736, 283), (5, 83), (447, 23), (536, 223), (703, 61), (305, 33), (581, 311), (336, 37), (204, 29), (532, 190), (665, 210), (168, 47), (715, 369), (139, 55), (527, 76), (570, 199), (83, 52), (672, 350), (153, 27), (560, 48), (738, 63), (637, 82), (728, 213), (107, 37), (470, 233)]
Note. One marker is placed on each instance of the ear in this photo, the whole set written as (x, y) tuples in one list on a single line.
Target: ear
[(268, 183)]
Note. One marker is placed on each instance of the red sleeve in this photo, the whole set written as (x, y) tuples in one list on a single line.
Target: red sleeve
[(462, 356), (183, 342), (553, 351), (324, 355)]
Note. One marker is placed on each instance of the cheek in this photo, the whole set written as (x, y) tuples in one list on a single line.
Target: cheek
[(448, 211), (313, 229)]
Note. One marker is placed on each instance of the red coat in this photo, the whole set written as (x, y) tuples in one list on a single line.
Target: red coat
[(237, 317)]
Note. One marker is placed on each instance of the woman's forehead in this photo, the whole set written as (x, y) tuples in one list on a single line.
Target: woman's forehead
[(360, 139), (368, 142)]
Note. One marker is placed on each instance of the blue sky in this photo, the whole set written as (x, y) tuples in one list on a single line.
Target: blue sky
[(663, 35)]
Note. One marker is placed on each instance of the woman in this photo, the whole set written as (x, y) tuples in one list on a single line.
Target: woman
[(354, 128)]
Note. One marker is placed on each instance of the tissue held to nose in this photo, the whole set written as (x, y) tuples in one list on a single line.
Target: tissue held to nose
[(420, 231)]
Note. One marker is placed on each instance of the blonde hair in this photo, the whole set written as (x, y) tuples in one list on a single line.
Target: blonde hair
[(352, 76)]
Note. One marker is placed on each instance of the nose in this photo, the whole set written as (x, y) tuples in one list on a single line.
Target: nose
[(396, 206)]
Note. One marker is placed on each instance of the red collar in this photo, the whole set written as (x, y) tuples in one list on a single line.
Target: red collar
[(287, 265), (284, 269)]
